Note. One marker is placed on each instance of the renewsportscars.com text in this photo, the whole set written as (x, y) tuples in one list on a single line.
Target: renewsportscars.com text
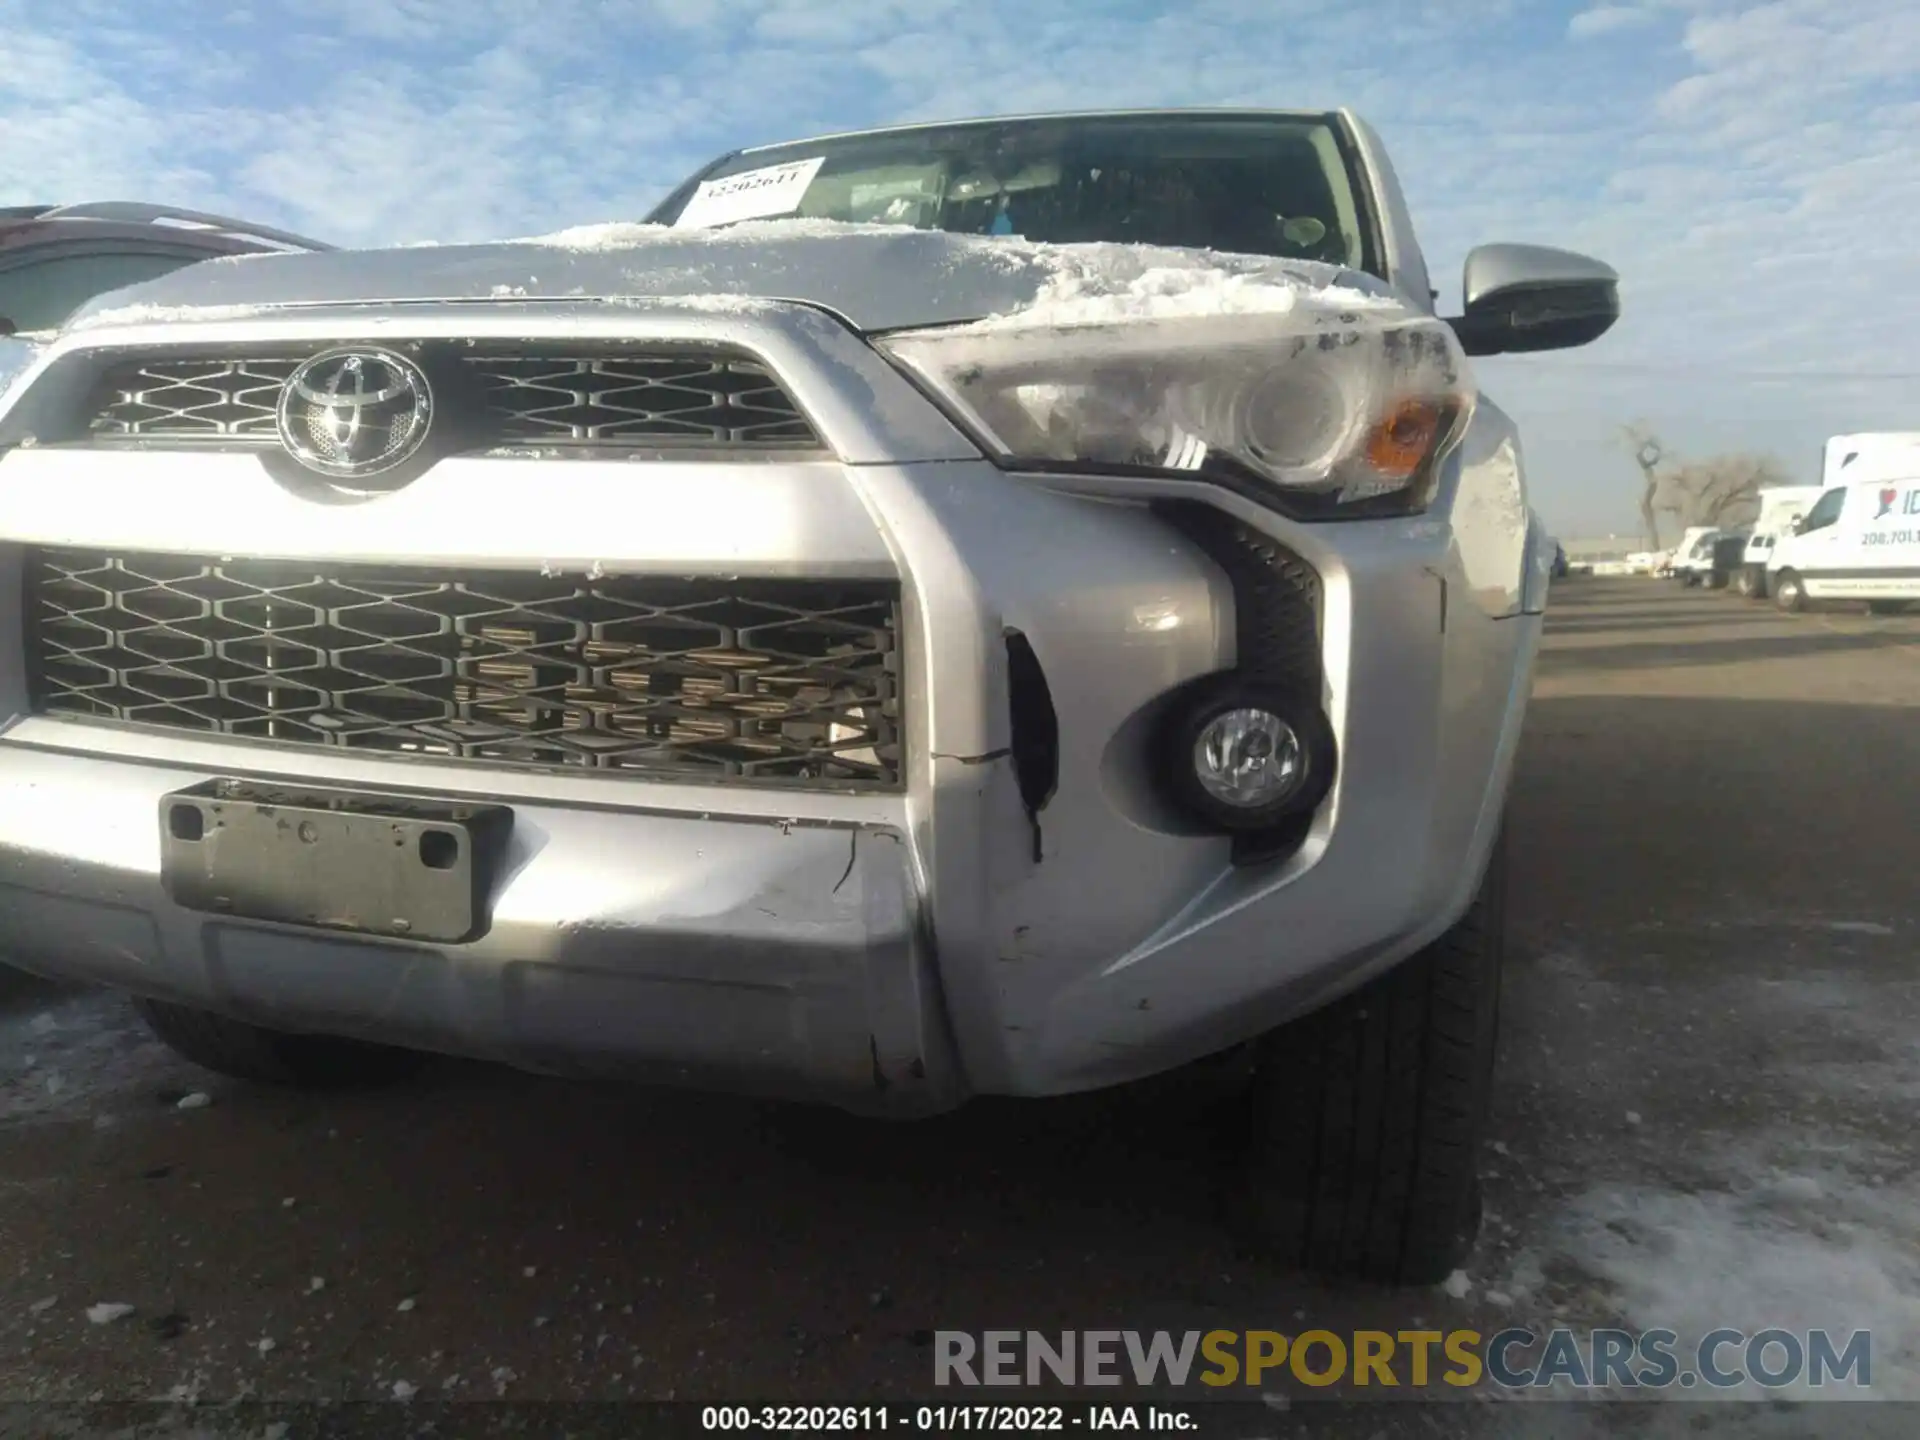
[(1380, 1359)]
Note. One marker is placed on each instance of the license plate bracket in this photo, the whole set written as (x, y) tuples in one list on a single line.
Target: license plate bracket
[(391, 865)]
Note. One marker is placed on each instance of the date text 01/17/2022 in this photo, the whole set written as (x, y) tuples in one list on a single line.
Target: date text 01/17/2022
[(945, 1419)]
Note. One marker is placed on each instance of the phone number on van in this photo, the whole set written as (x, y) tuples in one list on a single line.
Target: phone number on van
[(1891, 537)]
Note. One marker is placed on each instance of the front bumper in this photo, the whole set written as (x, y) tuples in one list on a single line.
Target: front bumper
[(890, 951)]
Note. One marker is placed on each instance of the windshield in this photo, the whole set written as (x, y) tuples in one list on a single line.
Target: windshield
[(1264, 185)]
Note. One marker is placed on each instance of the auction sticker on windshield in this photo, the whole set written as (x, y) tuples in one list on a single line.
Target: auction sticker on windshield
[(750, 195)]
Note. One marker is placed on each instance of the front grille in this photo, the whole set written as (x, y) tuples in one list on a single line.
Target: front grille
[(636, 400), (654, 398), (779, 682), (192, 399)]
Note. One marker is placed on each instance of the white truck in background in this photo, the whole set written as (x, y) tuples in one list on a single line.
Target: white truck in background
[(1844, 452), (1692, 557), (1860, 540), (1781, 508)]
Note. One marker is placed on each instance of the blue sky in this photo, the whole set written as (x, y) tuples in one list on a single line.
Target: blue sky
[(1752, 170)]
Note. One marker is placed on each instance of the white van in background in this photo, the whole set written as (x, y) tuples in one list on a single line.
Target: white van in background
[(1842, 453), (1781, 508), (1859, 541), (1686, 556)]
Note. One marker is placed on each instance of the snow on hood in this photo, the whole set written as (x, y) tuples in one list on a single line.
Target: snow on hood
[(878, 277)]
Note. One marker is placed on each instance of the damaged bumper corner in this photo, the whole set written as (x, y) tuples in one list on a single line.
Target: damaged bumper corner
[(747, 954)]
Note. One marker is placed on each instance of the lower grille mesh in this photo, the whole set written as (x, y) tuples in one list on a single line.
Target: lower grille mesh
[(791, 682)]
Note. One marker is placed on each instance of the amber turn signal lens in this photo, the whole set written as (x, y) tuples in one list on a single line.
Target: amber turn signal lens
[(1400, 444)]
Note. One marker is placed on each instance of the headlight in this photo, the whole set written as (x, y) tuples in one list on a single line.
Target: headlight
[(1327, 413)]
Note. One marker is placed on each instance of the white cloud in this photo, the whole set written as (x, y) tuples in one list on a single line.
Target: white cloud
[(1606, 20), (1752, 169)]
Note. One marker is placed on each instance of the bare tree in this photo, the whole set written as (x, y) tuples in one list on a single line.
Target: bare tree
[(1647, 452), (1721, 490)]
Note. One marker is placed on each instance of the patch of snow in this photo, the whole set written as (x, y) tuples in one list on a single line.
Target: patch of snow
[(109, 1312), (265, 1345), (40, 1307), (198, 1100), (15, 356), (1112, 284), (1458, 1285), (403, 1392), (508, 292), (405, 1305), (1857, 927), (608, 235), (96, 1049), (164, 314), (1633, 1117), (1791, 1251), (316, 1285), (699, 304), (1796, 1189), (629, 235)]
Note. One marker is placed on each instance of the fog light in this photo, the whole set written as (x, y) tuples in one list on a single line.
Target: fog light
[(1248, 758)]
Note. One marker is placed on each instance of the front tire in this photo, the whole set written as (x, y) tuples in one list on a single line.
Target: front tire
[(271, 1057), (1362, 1155), (1790, 592)]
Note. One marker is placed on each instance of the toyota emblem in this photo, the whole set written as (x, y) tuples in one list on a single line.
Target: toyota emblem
[(355, 414)]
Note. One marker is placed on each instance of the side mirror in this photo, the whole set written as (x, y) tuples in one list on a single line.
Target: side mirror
[(1520, 298), (7, 327)]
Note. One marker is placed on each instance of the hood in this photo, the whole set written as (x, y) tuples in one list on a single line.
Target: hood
[(876, 277)]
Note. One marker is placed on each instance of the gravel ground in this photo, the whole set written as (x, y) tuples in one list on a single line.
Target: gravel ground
[(1704, 1117)]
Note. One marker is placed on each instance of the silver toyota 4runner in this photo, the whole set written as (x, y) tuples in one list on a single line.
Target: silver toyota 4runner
[(1003, 608)]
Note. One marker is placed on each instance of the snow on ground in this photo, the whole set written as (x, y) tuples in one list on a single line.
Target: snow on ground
[(1810, 1247), (1805, 1217), (77, 1057)]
